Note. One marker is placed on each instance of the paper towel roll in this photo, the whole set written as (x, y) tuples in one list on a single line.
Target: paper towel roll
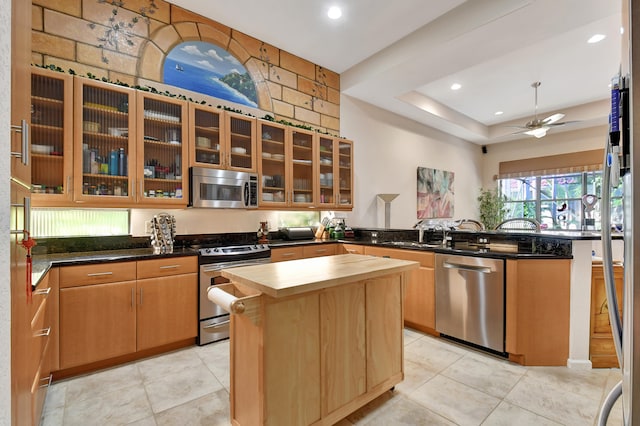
[(225, 300)]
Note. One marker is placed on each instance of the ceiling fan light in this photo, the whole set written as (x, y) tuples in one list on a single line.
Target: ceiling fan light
[(540, 132)]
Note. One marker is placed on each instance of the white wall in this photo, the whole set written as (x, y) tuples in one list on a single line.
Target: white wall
[(552, 144), (388, 149), (5, 287)]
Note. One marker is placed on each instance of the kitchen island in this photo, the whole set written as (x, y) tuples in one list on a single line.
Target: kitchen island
[(313, 340)]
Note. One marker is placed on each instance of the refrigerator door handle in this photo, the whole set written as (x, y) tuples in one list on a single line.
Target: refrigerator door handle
[(607, 256)]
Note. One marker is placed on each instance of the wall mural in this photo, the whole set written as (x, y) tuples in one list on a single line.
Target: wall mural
[(435, 193), (206, 68)]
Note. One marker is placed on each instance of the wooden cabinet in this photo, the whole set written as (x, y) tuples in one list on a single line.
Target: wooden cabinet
[(239, 142), (352, 249), (316, 357), (335, 175), (167, 301), (601, 347), (419, 292), (273, 164), (113, 309), (162, 165), (316, 250), (206, 136), (97, 312), (537, 311), (281, 254), (51, 137), (104, 155), (287, 165)]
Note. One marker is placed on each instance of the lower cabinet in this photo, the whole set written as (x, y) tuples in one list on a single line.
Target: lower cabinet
[(113, 309), (537, 311), (419, 292), (602, 351), (280, 254)]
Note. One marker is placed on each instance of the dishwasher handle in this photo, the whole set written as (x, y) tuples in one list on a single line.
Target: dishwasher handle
[(470, 268)]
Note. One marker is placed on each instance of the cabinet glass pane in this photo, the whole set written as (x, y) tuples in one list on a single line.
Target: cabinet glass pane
[(105, 141), (302, 159), (162, 149), (345, 161), (326, 171), (207, 137), (273, 164), (47, 135), (240, 141)]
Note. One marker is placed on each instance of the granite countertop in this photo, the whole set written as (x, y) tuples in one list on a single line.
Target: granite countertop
[(283, 279), (43, 262)]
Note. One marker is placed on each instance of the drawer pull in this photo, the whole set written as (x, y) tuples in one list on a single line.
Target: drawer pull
[(169, 266), (43, 291), (99, 274), (43, 333), (213, 327), (321, 250), (48, 381), (288, 254)]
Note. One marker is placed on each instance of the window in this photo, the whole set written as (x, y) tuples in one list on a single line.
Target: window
[(556, 201), (79, 222)]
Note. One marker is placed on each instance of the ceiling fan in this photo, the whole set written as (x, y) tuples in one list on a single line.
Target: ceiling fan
[(537, 127)]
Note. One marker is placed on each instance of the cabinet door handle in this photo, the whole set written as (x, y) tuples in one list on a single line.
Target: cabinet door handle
[(42, 333), (169, 266), (24, 129), (99, 274), (140, 296), (133, 296), (43, 291), (26, 218)]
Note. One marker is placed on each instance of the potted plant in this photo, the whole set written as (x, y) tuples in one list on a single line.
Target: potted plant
[(491, 207)]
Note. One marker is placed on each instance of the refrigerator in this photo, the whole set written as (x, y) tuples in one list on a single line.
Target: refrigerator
[(622, 158)]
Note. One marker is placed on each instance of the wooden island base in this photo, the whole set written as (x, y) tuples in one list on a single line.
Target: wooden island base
[(312, 353)]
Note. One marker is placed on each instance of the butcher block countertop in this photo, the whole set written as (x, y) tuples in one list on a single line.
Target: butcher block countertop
[(283, 279)]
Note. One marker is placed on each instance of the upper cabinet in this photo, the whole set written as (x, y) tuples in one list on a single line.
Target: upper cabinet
[(304, 168), (104, 143), (51, 137), (206, 136), (162, 157), (272, 152), (335, 177), (240, 142)]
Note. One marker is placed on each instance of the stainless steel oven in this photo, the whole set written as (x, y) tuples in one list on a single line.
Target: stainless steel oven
[(214, 321)]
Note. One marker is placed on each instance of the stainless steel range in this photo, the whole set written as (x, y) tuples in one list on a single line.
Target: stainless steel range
[(214, 321)]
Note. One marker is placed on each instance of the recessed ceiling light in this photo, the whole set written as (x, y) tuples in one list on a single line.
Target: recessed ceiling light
[(456, 86), (596, 38), (334, 12), (498, 113)]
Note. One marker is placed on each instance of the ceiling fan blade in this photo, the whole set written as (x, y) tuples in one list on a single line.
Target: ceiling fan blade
[(553, 118), (562, 123)]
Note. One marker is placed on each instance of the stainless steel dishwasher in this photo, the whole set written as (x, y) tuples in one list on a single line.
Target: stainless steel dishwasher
[(470, 299)]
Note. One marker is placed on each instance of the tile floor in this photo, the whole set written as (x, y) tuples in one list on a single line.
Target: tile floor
[(445, 384)]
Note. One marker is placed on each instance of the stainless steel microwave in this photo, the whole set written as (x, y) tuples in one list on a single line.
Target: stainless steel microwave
[(226, 189)]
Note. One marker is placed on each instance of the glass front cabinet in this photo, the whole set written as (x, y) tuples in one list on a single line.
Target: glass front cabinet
[(272, 166), (51, 137), (162, 135), (303, 168), (335, 177), (104, 143), (206, 147), (240, 143)]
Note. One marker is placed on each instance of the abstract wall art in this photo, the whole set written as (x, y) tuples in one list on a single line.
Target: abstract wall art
[(435, 193)]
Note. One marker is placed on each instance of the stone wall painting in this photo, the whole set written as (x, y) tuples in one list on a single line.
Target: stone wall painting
[(205, 68), (435, 193)]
